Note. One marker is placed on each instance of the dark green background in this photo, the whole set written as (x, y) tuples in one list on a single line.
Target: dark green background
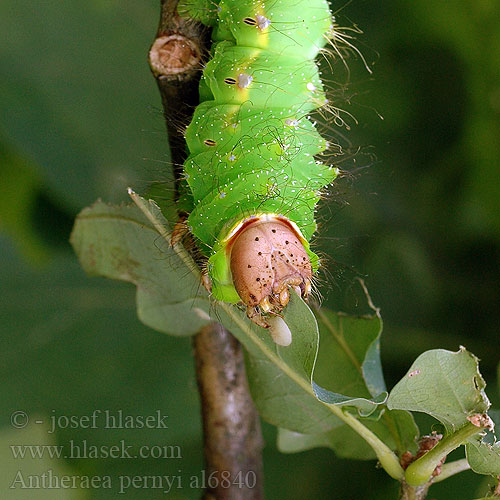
[(417, 214)]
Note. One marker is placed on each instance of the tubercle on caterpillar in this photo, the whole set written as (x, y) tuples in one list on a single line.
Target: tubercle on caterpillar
[(252, 177)]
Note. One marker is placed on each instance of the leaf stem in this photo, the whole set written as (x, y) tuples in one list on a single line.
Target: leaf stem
[(420, 471), (388, 460), (451, 469)]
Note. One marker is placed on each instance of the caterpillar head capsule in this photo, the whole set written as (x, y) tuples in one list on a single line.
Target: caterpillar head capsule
[(267, 259)]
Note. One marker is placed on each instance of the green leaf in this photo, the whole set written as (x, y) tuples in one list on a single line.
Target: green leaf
[(484, 458), (343, 441), (121, 243), (280, 377), (354, 343), (349, 363), (348, 444), (404, 430), (349, 358), (483, 452), (446, 385)]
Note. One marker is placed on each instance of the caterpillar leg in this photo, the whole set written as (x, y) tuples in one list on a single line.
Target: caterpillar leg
[(179, 231)]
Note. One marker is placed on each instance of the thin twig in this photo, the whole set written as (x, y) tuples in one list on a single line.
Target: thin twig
[(452, 468), (232, 436)]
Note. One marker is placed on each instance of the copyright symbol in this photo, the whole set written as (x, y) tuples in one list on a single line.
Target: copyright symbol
[(19, 419)]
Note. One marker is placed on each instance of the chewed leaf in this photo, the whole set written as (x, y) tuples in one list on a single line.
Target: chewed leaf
[(483, 457), (122, 243), (483, 452), (446, 385), (281, 377)]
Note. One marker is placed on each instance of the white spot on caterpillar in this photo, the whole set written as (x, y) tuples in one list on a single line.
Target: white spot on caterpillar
[(244, 80), (262, 22), (310, 86), (291, 122)]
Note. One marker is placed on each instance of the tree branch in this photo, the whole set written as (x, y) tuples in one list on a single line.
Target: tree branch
[(408, 492), (176, 59), (231, 425)]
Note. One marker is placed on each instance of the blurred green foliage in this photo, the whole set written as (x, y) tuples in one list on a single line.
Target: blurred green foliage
[(80, 113)]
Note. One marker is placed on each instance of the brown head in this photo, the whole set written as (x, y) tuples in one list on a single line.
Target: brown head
[(267, 258)]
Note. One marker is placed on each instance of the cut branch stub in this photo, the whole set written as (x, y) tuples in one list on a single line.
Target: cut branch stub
[(174, 54)]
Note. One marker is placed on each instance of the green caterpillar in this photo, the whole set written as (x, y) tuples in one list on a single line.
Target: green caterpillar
[(251, 167)]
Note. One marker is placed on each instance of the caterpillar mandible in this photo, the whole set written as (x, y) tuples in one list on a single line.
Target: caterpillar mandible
[(252, 172)]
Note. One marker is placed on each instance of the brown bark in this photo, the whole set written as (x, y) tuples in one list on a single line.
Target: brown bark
[(231, 425), (408, 492), (176, 60)]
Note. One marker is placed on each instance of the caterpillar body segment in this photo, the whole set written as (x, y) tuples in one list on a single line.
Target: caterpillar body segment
[(291, 28), (230, 126), (245, 74), (252, 169)]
